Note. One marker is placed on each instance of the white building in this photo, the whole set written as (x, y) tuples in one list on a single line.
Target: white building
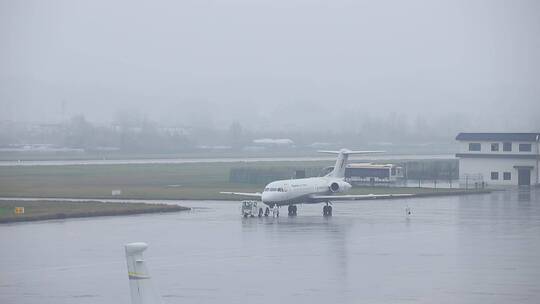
[(499, 158)]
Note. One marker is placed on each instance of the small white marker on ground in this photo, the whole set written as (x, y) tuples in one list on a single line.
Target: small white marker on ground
[(408, 211)]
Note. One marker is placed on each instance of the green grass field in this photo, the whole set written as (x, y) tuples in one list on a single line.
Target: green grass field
[(146, 181), (156, 181), (45, 210)]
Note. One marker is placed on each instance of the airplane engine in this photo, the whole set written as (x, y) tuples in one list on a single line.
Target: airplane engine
[(339, 186)]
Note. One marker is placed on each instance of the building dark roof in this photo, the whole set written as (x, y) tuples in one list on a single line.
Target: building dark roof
[(498, 136)]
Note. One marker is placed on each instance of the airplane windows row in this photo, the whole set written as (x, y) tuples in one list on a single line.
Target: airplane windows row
[(274, 190)]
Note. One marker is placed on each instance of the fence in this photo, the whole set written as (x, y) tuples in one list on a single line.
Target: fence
[(250, 175), (431, 173)]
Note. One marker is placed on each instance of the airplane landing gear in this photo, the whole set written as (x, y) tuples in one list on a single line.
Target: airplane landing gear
[(292, 210), (275, 211), (260, 212), (327, 210), (267, 212)]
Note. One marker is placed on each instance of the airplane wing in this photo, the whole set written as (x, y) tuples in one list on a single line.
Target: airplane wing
[(355, 197), (256, 194)]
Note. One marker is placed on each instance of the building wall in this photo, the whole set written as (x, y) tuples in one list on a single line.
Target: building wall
[(484, 167), (486, 147)]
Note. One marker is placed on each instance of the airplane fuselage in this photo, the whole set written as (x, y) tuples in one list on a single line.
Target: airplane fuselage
[(298, 191)]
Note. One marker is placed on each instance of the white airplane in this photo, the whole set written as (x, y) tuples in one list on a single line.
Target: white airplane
[(312, 190)]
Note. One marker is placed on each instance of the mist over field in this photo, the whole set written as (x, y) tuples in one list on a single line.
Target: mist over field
[(227, 72)]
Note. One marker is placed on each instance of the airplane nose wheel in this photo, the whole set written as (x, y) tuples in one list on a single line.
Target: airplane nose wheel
[(327, 210), (275, 211), (292, 210)]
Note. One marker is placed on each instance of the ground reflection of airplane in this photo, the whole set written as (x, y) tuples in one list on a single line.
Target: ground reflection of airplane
[(143, 291), (332, 238)]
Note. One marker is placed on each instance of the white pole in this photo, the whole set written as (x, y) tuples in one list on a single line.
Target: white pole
[(537, 156)]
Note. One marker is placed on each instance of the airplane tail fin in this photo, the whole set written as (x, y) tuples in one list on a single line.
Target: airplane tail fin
[(341, 162), (140, 285)]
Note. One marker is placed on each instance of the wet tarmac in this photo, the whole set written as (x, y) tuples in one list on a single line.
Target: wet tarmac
[(461, 249)]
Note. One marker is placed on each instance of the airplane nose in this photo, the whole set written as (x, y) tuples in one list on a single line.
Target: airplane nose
[(268, 197)]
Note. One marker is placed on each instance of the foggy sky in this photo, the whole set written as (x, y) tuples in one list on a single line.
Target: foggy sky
[(272, 64)]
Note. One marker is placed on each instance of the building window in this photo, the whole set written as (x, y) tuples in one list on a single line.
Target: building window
[(507, 176), (524, 147), (495, 147), (494, 175), (507, 147), (474, 146)]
